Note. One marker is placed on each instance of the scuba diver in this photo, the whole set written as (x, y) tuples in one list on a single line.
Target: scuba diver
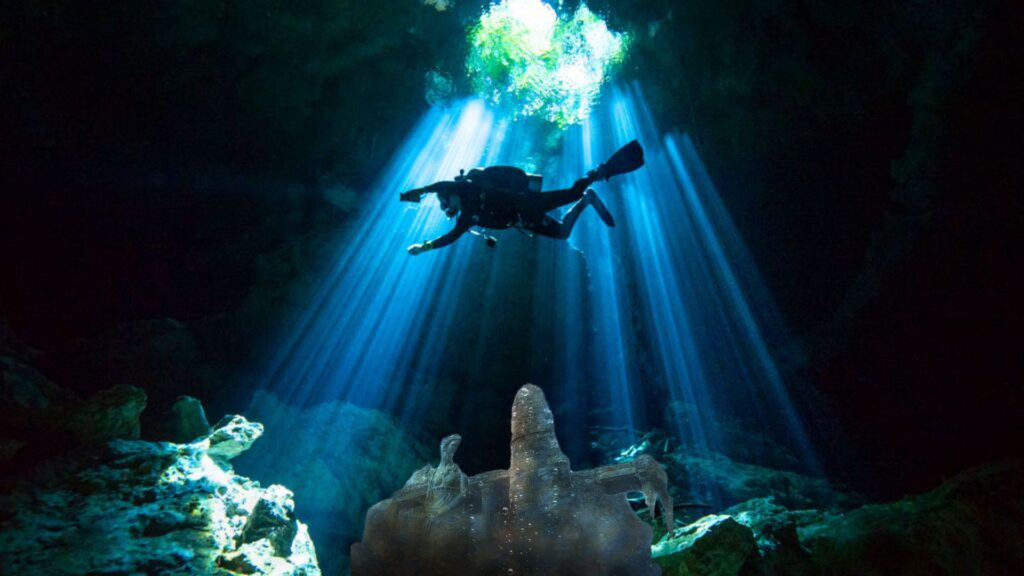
[(501, 197)]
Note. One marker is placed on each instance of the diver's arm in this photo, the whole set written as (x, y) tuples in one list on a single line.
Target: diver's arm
[(416, 194), (413, 195), (461, 226), (443, 187)]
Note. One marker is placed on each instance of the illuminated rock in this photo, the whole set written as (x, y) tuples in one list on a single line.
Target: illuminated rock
[(136, 507), (715, 545), (968, 525), (538, 517), (232, 436)]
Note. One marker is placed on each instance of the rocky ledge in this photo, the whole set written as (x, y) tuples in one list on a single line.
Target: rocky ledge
[(134, 507), (971, 524)]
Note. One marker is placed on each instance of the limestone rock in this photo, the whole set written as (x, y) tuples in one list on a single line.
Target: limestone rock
[(338, 458), (715, 545), (24, 391), (185, 421), (971, 524), (106, 415), (714, 478), (273, 519), (232, 436), (538, 517), (257, 558), (775, 526), (446, 484), (141, 507), (39, 418)]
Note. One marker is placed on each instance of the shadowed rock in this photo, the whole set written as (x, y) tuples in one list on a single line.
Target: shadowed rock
[(185, 421)]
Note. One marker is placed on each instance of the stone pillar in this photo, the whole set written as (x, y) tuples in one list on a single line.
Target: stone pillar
[(539, 476)]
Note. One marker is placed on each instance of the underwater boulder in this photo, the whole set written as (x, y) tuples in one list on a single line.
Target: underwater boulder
[(71, 423), (971, 524), (38, 418), (775, 529), (184, 422), (273, 519), (137, 507), (338, 458), (716, 479), (538, 517), (715, 545), (232, 436), (106, 415)]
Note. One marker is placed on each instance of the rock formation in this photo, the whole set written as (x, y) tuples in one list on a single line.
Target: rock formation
[(971, 524), (184, 422), (538, 517), (38, 418), (335, 482), (137, 507)]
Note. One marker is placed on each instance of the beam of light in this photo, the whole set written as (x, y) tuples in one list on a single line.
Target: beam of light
[(668, 300), (671, 300), (754, 314), (611, 383), (666, 254), (354, 340), (714, 327), (373, 333)]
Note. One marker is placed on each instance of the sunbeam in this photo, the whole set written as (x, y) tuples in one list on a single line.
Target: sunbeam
[(658, 322)]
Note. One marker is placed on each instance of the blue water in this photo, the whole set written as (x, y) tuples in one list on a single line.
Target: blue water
[(662, 321)]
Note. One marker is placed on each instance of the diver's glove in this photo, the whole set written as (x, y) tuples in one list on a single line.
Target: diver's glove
[(417, 248), (412, 195)]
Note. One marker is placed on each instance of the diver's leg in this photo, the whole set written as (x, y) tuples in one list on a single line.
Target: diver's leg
[(548, 226), (589, 199), (601, 209), (552, 228), (548, 201)]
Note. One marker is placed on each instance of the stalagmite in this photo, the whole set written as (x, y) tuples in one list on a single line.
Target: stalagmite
[(538, 517)]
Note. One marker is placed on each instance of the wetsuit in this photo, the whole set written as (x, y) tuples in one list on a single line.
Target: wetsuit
[(500, 209)]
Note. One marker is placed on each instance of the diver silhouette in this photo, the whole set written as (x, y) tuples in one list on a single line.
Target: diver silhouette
[(501, 197)]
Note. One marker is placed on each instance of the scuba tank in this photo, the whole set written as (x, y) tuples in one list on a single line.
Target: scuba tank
[(507, 178), (511, 179)]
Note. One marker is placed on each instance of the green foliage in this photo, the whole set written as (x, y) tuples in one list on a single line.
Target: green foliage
[(525, 55)]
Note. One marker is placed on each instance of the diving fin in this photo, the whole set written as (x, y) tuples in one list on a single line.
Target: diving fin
[(625, 160)]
